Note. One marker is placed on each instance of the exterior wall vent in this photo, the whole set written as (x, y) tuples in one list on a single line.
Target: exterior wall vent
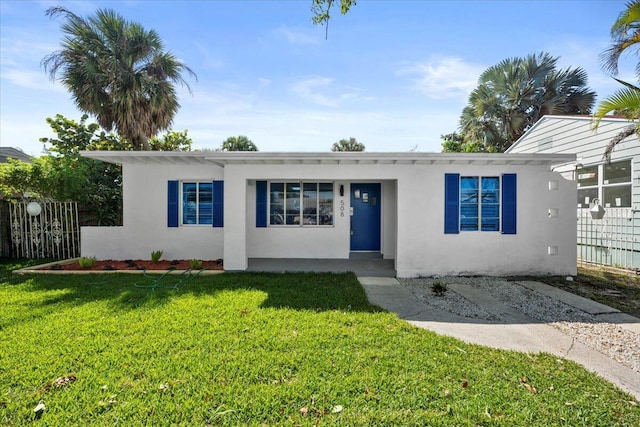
[(545, 143)]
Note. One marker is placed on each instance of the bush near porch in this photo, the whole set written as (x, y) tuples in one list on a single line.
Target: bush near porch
[(263, 349)]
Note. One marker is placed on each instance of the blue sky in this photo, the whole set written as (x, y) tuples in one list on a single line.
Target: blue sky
[(393, 74)]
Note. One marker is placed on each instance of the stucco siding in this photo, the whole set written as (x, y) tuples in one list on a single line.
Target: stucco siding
[(389, 219), (412, 213), (424, 249), (421, 246), (120, 243), (145, 228), (319, 242), (313, 242)]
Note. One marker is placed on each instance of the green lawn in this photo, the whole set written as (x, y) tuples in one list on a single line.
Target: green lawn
[(263, 349)]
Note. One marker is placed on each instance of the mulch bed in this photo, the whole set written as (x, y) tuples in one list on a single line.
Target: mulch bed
[(138, 264)]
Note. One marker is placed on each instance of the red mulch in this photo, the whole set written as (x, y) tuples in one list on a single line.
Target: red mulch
[(139, 264)]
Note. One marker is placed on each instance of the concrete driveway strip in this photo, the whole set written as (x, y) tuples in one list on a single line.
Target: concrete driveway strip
[(515, 330)]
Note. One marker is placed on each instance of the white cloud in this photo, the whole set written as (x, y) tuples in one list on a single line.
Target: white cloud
[(30, 79), (297, 37), (262, 82), (574, 53), (443, 77), (214, 114), (33, 51), (208, 61), (20, 60), (219, 98), (296, 129), (321, 91), (307, 90)]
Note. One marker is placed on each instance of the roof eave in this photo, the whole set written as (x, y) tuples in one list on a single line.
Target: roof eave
[(357, 158)]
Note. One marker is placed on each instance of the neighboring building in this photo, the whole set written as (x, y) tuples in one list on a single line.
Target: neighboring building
[(13, 153), (614, 239), (489, 214)]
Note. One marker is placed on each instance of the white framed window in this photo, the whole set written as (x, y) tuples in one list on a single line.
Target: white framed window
[(609, 183), (299, 203), (196, 207), (479, 203)]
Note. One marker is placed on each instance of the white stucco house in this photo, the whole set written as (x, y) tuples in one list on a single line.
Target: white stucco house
[(489, 214), (614, 239)]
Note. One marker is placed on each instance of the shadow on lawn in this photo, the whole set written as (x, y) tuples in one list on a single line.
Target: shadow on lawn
[(299, 291)]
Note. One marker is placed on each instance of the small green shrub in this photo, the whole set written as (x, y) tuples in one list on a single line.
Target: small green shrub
[(87, 262), (195, 264), (156, 255), (439, 288)]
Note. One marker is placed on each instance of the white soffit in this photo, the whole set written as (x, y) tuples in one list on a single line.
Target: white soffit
[(270, 158)]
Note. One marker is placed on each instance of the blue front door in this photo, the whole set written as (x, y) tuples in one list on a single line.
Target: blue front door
[(365, 221)]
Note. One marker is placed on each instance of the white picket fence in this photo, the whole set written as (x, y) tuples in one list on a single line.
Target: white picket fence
[(53, 233)]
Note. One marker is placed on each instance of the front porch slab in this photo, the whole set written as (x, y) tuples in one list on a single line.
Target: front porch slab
[(361, 267)]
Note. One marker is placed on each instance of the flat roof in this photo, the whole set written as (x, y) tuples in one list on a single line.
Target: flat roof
[(222, 158)]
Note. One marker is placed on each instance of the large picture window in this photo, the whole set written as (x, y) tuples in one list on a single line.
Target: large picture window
[(197, 203), (609, 183), (301, 203)]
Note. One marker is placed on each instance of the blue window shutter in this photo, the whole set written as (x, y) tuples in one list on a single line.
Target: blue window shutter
[(218, 204), (451, 203), (261, 203), (509, 211), (172, 203)]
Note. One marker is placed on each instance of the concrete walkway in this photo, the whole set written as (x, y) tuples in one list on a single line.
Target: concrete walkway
[(516, 331)]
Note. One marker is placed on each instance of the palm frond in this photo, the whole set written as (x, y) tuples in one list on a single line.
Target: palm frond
[(513, 94), (625, 34), (623, 100), (627, 84)]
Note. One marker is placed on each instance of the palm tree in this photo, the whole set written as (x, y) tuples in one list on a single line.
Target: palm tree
[(515, 93), (625, 34), (238, 143), (347, 145), (118, 72)]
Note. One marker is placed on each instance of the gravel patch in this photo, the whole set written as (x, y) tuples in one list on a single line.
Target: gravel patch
[(610, 339), (451, 302)]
